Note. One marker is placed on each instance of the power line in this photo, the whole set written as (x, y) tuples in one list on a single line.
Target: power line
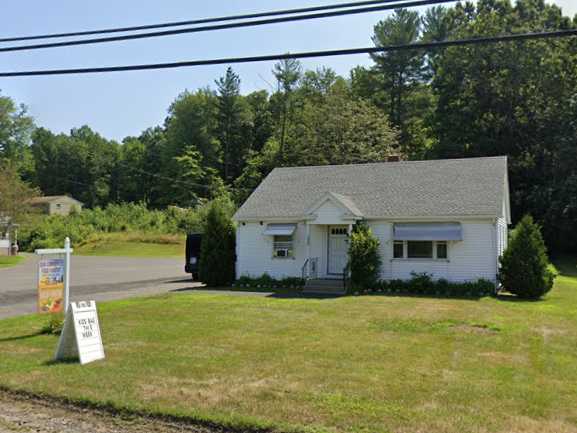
[(302, 55), (195, 22), (91, 41)]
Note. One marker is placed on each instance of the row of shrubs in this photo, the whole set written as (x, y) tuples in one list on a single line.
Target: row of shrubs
[(423, 284), (419, 284), (265, 281)]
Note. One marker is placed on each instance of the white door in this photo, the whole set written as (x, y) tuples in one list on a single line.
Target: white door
[(338, 249)]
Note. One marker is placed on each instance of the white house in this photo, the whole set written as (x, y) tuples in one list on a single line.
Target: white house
[(445, 217)]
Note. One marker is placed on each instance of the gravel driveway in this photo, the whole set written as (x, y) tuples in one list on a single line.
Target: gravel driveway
[(26, 415)]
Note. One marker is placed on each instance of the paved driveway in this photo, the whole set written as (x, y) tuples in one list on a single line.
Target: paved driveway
[(98, 278)]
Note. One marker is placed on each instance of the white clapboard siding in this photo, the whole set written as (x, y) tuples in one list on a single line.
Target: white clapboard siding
[(384, 232), (470, 259), (255, 252), (476, 256), (329, 213)]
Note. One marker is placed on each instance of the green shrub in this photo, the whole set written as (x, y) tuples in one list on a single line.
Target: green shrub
[(524, 265), (54, 325), (364, 259), (266, 281), (50, 231), (423, 284), (217, 255)]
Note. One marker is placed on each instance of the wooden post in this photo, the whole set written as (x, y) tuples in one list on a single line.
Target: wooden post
[(66, 274)]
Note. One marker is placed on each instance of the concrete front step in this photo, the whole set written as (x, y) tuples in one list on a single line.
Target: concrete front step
[(324, 286)]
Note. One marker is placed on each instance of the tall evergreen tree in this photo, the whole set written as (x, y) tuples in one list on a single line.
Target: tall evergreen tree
[(233, 125), (400, 72), (287, 73)]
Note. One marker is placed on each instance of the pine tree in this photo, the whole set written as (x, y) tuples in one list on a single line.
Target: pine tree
[(233, 125), (524, 265), (287, 73)]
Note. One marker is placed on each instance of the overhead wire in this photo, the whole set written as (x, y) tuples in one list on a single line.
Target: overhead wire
[(91, 41), (195, 21), (300, 55)]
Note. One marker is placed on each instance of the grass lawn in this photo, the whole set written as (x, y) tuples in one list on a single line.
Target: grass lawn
[(132, 245), (353, 364), (8, 261)]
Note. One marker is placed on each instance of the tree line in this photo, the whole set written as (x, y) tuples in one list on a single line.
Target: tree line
[(517, 99)]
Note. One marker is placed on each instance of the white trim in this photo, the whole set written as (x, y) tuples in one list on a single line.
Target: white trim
[(507, 199)]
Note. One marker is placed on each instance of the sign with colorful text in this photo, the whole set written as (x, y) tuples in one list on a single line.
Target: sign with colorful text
[(51, 272)]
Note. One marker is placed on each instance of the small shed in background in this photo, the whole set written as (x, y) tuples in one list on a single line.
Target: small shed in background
[(56, 204)]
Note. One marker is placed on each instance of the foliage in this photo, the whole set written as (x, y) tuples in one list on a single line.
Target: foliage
[(525, 268), (83, 227), (15, 194), (364, 258), (266, 281), (16, 127), (517, 99), (424, 285), (217, 255), (54, 325)]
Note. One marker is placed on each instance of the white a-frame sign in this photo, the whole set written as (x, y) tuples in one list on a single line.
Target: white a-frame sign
[(80, 338)]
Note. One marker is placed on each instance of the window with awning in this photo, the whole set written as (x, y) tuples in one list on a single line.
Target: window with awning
[(428, 232), (282, 235), (280, 229)]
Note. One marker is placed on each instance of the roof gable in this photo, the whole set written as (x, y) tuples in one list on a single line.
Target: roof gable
[(406, 189), (344, 202)]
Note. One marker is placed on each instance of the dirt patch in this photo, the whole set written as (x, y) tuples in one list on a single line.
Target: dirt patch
[(480, 329), (26, 414)]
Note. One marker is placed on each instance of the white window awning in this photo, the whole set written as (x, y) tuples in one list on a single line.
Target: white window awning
[(280, 229), (428, 232)]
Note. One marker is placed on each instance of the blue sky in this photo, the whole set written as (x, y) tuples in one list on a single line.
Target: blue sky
[(121, 104)]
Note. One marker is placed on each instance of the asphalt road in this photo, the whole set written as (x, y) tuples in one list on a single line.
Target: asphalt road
[(92, 278)]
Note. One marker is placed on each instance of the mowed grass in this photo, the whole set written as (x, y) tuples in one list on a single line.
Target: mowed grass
[(133, 245), (354, 364), (9, 261)]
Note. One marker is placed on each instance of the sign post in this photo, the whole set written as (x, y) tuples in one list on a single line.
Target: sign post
[(54, 279)]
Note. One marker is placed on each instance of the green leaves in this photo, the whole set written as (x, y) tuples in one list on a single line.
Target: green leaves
[(364, 258), (525, 268)]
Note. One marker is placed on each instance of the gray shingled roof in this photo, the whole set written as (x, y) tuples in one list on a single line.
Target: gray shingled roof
[(446, 187)]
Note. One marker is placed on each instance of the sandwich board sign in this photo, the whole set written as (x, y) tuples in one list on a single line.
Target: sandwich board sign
[(81, 338)]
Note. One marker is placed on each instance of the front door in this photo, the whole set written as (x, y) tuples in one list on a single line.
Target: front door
[(338, 249)]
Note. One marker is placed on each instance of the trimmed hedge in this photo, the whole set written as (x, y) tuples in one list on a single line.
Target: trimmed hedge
[(265, 281), (424, 285)]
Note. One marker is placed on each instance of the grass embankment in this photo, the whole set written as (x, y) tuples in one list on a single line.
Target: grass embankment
[(353, 364), (9, 261), (132, 245)]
